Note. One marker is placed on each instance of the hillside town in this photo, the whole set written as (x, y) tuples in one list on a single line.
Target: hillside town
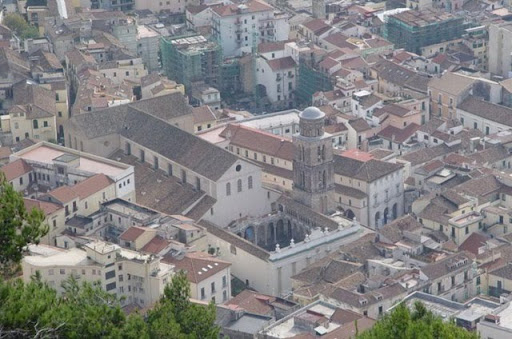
[(309, 165)]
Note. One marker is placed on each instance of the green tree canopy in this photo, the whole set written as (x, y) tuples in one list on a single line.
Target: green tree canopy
[(20, 26), (18, 227), (84, 310), (420, 323)]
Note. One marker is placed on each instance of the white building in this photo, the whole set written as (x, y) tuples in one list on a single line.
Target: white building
[(278, 77), (209, 277), (500, 49), (239, 28), (139, 278), (54, 166)]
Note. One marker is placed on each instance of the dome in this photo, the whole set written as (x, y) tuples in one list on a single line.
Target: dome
[(312, 113)]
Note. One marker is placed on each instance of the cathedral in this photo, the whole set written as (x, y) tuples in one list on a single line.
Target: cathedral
[(310, 206)]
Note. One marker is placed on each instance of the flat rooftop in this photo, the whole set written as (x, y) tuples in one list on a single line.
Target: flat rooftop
[(424, 17), (47, 154), (506, 317), (134, 210), (273, 120)]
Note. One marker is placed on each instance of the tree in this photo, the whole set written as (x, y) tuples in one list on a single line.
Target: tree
[(191, 319), (20, 27), (18, 227), (84, 310), (421, 323)]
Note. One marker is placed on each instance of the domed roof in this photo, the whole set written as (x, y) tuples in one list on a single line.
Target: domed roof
[(312, 113)]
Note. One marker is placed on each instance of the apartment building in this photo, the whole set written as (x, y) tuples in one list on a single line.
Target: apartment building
[(241, 27), (209, 277), (135, 278), (368, 189)]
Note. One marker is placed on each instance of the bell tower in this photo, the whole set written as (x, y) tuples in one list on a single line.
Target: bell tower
[(313, 168)]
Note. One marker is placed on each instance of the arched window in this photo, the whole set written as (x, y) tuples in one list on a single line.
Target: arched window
[(228, 188), (239, 185), (249, 182)]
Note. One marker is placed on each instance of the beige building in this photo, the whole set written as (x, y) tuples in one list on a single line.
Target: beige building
[(135, 278), (273, 152), (209, 277)]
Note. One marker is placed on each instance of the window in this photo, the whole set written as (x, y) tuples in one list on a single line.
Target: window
[(45, 123), (249, 182), (475, 125), (21, 180), (110, 274), (224, 281), (35, 123), (183, 176), (142, 156), (203, 295), (111, 286), (213, 287), (224, 295), (62, 271), (239, 185), (228, 189)]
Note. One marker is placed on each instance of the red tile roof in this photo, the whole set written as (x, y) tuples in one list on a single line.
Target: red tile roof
[(47, 207), (198, 265), (16, 169), (132, 233), (252, 7), (281, 63), (259, 141), (156, 245), (253, 302), (81, 190), (473, 243)]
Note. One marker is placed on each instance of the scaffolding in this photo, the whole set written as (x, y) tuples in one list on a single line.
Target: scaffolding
[(189, 59), (310, 81), (414, 29)]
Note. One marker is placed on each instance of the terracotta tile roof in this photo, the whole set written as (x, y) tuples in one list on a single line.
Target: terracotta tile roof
[(266, 47), (452, 83), (253, 302), (281, 63), (328, 63), (340, 127), (393, 109), (132, 233), (503, 272), (5, 152), (15, 169), (394, 231), (487, 110), (339, 40), (368, 171), (259, 141), (445, 266), (81, 190), (473, 243), (252, 7), (203, 114), (317, 26), (47, 207), (360, 124), (398, 135), (155, 245), (63, 194), (91, 185), (198, 265)]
